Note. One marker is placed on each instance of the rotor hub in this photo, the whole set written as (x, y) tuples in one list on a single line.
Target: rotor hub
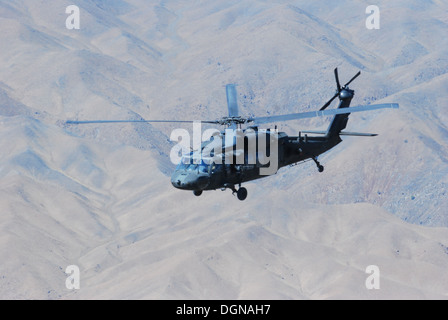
[(346, 94), (233, 120)]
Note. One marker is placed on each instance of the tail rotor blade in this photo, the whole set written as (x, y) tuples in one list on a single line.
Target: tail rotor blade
[(337, 79), (329, 102), (356, 76), (338, 85)]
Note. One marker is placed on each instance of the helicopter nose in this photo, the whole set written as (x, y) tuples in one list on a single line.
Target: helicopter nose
[(177, 183), (189, 181), (178, 180)]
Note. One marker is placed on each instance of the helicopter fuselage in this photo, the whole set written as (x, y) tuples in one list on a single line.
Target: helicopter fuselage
[(210, 175)]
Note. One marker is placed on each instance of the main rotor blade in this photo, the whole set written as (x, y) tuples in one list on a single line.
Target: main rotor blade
[(337, 79), (351, 80), (136, 121), (343, 133), (232, 103), (312, 114)]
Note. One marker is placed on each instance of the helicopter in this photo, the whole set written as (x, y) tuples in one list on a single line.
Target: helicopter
[(237, 155)]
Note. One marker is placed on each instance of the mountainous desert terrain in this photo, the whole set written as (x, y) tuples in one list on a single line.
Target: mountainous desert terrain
[(99, 196)]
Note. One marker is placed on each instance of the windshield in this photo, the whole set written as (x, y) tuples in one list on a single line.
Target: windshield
[(182, 166), (203, 168)]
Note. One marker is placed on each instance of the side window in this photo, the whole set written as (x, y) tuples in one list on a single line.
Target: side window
[(215, 168)]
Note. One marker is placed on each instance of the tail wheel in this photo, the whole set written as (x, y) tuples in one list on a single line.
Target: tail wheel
[(319, 166), (242, 193), (197, 193)]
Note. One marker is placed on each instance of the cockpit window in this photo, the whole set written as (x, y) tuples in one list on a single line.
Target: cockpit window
[(182, 166), (203, 167), (192, 167)]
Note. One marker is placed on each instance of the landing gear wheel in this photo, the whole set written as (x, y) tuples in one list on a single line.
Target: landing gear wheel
[(319, 166), (197, 193), (242, 193)]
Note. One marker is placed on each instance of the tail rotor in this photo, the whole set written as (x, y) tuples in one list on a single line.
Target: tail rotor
[(338, 88)]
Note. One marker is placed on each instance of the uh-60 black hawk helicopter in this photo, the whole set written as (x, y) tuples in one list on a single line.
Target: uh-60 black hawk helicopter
[(227, 165)]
